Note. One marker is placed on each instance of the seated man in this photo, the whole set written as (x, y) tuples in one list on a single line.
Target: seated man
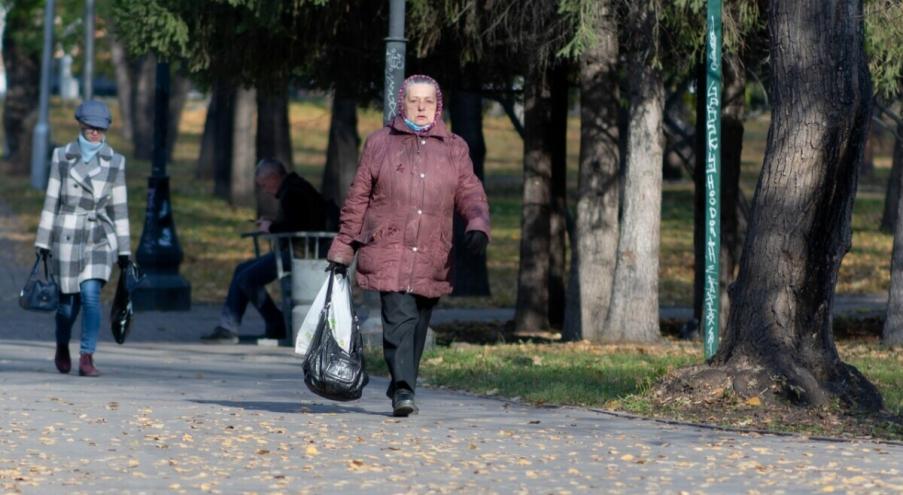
[(301, 208)]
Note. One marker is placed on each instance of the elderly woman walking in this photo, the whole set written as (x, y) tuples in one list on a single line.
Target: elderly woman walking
[(413, 174), (84, 226)]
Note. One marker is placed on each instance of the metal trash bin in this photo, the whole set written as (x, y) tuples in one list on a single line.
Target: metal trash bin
[(307, 273)]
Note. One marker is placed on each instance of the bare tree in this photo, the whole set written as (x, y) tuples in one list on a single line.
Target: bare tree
[(596, 223), (20, 106), (532, 307), (244, 154), (633, 312), (558, 226), (342, 149), (892, 195), (893, 323), (274, 138)]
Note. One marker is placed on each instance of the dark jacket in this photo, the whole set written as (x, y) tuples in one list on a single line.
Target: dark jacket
[(400, 206), (301, 208)]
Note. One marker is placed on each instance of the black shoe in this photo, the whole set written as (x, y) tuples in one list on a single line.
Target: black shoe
[(403, 404), (220, 335)]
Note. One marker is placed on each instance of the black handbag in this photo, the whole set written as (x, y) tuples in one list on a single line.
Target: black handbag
[(330, 371), (38, 294), (121, 312)]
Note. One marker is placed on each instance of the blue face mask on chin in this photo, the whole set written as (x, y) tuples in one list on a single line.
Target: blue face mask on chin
[(414, 127), (88, 149)]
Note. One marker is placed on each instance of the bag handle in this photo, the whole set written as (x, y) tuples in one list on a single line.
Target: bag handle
[(37, 265), (328, 300), (48, 273)]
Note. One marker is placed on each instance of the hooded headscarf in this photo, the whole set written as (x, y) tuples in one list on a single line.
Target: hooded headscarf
[(419, 79)]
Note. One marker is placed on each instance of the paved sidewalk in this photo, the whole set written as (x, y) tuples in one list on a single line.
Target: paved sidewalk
[(189, 418), (173, 416)]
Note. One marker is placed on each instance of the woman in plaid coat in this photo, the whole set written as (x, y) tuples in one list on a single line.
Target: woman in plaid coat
[(84, 226)]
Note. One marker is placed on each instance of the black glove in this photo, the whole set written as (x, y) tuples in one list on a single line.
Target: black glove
[(337, 268), (123, 261), (43, 252), (475, 242)]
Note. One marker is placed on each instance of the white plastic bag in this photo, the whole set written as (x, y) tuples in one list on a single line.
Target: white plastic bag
[(339, 315)]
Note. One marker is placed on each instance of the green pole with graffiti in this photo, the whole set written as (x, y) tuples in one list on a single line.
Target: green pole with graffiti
[(712, 293)]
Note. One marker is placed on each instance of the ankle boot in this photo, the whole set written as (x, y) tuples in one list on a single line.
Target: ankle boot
[(62, 360), (86, 366)]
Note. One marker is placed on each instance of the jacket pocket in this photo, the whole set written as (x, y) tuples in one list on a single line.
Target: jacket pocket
[(441, 256)]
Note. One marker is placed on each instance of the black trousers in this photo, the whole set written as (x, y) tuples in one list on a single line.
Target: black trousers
[(405, 321)]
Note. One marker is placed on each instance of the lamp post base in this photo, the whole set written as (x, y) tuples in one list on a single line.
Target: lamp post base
[(162, 292)]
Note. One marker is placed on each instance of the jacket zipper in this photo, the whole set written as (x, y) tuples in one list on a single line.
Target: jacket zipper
[(418, 170)]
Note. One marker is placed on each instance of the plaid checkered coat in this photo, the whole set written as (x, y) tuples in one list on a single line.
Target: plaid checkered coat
[(85, 220)]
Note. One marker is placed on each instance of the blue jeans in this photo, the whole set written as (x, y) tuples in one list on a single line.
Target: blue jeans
[(67, 312), (249, 286)]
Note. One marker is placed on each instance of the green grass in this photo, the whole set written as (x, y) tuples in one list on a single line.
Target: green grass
[(558, 374), (621, 378), (608, 376)]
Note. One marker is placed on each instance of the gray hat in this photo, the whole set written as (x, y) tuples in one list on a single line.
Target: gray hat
[(94, 113)]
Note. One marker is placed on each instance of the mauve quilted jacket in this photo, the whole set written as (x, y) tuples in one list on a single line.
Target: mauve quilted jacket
[(398, 212)]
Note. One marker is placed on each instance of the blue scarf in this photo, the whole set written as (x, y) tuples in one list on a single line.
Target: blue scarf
[(88, 149), (414, 127)]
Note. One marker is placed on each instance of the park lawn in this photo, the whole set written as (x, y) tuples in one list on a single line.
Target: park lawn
[(622, 378), (208, 227)]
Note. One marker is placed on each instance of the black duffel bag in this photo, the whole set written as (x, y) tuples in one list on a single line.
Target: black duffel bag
[(330, 371)]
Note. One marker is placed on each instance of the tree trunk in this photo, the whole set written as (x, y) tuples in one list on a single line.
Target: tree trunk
[(893, 324), (892, 197), (593, 252), (558, 218), (224, 122), (20, 106), (532, 307), (732, 111), (123, 72), (274, 132), (142, 96), (244, 154), (471, 277), (634, 314), (342, 149), (178, 95), (274, 140), (779, 332), (204, 169), (220, 97)]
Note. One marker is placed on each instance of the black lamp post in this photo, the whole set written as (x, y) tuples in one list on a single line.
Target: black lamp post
[(159, 253), (40, 141), (89, 50), (395, 55)]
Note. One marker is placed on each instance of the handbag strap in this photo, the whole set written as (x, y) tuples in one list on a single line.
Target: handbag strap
[(48, 273), (37, 264)]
